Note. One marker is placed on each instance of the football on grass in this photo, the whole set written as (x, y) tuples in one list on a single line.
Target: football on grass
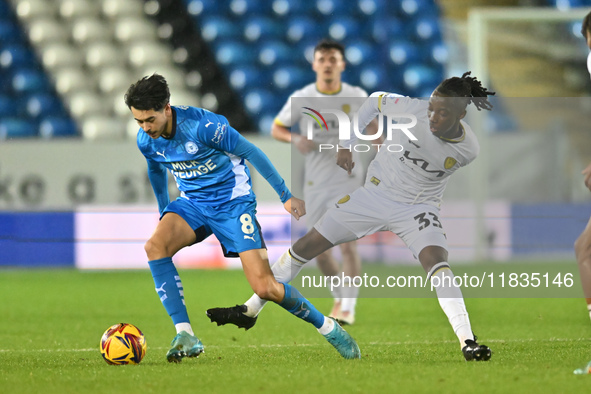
[(123, 343)]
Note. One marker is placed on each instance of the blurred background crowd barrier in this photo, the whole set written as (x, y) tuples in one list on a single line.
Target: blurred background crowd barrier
[(73, 187)]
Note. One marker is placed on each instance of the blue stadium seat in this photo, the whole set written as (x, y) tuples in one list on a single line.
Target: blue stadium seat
[(303, 28), (9, 32), (402, 53), (371, 7), (273, 53), (289, 8), (14, 56), (265, 122), (217, 28), (5, 10), (205, 7), (233, 52), (421, 80), (42, 105), (262, 27), (374, 77), (409, 9), (344, 28), (55, 126), (248, 77), (258, 100), (17, 128), (247, 8), (359, 52), (426, 29), (291, 78), (328, 8), (29, 80), (383, 30), (439, 53), (6, 105), (305, 49)]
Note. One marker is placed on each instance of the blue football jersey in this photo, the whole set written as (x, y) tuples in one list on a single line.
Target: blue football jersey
[(198, 155)]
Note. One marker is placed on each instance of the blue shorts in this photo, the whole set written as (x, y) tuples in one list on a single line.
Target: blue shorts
[(234, 223)]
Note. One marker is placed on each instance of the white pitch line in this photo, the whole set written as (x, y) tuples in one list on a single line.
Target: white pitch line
[(394, 343)]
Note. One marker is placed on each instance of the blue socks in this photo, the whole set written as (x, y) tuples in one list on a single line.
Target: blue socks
[(295, 303), (169, 289)]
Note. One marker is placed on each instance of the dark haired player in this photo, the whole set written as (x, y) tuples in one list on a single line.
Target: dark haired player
[(207, 158)]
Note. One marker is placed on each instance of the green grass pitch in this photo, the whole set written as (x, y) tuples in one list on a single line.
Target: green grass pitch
[(52, 320)]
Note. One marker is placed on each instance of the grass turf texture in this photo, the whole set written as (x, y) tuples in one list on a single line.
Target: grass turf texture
[(52, 321)]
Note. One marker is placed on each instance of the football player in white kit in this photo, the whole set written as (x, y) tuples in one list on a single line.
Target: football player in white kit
[(402, 194), (583, 243), (324, 181)]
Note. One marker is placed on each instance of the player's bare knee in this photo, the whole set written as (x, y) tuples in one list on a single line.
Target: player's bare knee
[(432, 255), (155, 249)]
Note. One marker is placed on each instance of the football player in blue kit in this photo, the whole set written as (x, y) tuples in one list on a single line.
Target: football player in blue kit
[(207, 157)]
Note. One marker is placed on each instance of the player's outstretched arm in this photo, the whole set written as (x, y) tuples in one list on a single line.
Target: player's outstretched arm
[(296, 207)]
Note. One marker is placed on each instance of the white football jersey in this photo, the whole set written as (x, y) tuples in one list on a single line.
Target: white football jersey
[(321, 169), (589, 63), (419, 172)]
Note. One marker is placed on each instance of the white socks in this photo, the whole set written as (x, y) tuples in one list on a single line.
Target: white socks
[(349, 300), (184, 327), (327, 327), (451, 301), (285, 269), (589, 309)]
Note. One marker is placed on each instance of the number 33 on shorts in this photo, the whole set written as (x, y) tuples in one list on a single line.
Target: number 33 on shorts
[(427, 219)]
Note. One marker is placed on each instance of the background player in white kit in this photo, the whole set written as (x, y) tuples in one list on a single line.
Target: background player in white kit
[(402, 194), (324, 181), (583, 243)]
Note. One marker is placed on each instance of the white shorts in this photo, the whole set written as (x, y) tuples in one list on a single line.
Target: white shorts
[(318, 198), (367, 212)]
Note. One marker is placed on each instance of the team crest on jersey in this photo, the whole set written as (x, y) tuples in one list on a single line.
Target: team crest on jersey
[(191, 147), (183, 107), (449, 162), (344, 199), (346, 108)]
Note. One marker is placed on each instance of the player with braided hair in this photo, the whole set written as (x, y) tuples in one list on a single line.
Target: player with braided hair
[(468, 87), (402, 194)]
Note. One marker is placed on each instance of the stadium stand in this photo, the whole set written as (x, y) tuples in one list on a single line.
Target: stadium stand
[(241, 58), (29, 104), (394, 46), (82, 53)]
